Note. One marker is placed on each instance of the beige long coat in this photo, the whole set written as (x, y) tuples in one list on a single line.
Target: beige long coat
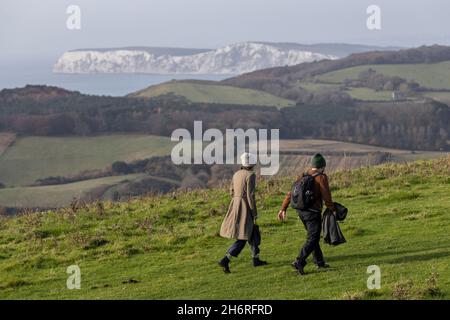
[(238, 222)]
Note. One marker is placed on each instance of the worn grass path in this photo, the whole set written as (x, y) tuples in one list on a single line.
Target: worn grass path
[(168, 247)]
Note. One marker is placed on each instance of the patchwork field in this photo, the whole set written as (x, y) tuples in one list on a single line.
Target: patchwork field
[(369, 94), (39, 157), (210, 93), (362, 93), (32, 158), (435, 75)]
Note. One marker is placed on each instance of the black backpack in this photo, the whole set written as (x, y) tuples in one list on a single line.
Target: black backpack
[(302, 195)]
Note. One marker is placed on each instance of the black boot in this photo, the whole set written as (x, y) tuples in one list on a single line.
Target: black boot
[(299, 267), (257, 262), (323, 266), (225, 264)]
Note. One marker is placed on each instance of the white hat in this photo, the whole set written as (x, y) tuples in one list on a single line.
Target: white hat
[(248, 159)]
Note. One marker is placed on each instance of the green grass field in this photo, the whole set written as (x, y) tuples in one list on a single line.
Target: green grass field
[(356, 93), (436, 75), (366, 94), (168, 247), (31, 158), (208, 93)]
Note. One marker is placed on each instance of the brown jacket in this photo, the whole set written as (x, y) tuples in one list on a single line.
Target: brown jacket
[(238, 222), (321, 193)]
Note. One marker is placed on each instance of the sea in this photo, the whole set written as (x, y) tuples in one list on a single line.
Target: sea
[(16, 73)]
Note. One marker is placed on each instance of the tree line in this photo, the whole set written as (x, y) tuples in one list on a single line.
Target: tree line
[(406, 125)]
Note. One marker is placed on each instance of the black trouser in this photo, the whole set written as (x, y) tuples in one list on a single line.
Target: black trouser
[(313, 226), (237, 247)]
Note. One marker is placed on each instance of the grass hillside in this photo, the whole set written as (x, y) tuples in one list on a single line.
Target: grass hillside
[(211, 93), (433, 75), (32, 158), (167, 247)]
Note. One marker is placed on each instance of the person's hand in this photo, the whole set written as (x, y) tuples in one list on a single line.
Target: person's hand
[(335, 213), (282, 215)]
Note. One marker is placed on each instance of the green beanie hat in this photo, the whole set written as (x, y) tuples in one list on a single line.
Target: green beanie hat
[(318, 161)]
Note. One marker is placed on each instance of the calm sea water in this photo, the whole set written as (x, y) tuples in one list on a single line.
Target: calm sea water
[(18, 73)]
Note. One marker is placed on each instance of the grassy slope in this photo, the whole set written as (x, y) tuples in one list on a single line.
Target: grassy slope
[(399, 220), (31, 158), (215, 94), (370, 94), (436, 75)]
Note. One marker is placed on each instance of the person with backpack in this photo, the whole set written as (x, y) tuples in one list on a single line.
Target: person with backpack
[(308, 193), (240, 220)]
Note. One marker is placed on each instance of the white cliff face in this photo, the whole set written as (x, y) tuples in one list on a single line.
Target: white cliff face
[(232, 59)]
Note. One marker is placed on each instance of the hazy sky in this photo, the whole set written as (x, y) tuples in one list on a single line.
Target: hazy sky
[(39, 27)]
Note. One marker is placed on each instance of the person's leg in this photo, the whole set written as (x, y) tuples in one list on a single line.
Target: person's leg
[(236, 248), (313, 227), (255, 255), (318, 256), (317, 252), (232, 252), (255, 250)]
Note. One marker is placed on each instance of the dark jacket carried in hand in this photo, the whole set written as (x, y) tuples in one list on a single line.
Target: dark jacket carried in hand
[(332, 234)]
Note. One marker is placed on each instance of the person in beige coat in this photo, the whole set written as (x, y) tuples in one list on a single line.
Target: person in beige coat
[(240, 219)]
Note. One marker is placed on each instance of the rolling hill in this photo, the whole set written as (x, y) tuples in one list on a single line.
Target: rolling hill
[(426, 65), (207, 92), (312, 82), (152, 248)]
